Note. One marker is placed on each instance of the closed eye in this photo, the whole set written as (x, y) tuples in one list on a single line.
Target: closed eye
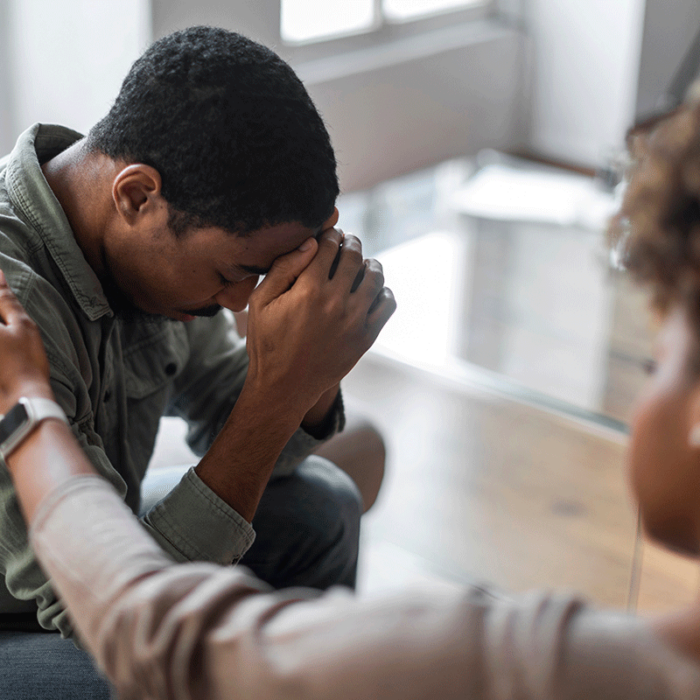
[(225, 282)]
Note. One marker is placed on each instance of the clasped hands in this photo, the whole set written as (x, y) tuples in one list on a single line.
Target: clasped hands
[(318, 310)]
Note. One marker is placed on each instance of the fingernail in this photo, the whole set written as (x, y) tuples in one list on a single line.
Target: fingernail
[(306, 245)]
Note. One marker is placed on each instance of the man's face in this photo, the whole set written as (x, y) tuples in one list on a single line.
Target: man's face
[(197, 273)]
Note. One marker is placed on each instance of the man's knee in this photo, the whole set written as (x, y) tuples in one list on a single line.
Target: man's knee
[(338, 510), (360, 452), (336, 501), (308, 528)]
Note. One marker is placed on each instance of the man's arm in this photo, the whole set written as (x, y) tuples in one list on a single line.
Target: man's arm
[(306, 331)]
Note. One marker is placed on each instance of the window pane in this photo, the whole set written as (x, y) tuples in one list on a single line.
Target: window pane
[(402, 10), (310, 20)]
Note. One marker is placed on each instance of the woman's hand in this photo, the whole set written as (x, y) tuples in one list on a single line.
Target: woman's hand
[(24, 369)]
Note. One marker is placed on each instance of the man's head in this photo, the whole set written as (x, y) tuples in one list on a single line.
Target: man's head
[(229, 127), (219, 163)]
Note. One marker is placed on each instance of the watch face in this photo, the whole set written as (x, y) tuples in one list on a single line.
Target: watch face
[(16, 417)]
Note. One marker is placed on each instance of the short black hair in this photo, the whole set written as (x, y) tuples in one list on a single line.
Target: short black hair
[(230, 128)]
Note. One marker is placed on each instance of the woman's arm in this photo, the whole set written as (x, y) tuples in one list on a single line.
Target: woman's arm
[(49, 456)]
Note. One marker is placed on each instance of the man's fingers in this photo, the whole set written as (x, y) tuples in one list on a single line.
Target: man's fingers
[(284, 272), (381, 311), (369, 280), (348, 264), (329, 251)]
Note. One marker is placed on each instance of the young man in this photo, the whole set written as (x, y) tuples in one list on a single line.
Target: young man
[(212, 168)]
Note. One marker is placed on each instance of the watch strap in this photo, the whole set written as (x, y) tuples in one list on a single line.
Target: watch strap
[(37, 410), (41, 409)]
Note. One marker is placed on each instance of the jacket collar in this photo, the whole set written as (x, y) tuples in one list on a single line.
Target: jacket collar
[(31, 195)]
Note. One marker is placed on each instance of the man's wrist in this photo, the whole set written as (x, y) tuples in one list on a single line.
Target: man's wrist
[(327, 416)]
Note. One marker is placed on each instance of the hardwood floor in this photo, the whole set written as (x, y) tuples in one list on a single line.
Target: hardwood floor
[(480, 488), (483, 489)]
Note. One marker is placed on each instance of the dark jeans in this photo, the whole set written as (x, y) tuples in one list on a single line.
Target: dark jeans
[(307, 534), (42, 666)]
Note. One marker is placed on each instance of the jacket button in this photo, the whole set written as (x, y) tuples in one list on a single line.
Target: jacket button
[(170, 369)]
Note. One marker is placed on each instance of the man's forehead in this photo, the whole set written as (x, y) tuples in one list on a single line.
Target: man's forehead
[(255, 269)]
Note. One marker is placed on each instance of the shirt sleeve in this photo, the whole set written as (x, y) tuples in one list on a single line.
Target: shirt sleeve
[(192, 523), (208, 387), (220, 633)]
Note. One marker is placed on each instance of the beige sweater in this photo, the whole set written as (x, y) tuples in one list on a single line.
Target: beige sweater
[(200, 631)]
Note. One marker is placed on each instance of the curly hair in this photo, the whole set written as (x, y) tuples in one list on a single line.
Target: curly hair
[(657, 229), (230, 128)]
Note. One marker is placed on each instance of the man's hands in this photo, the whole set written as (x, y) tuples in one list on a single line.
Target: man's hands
[(317, 311), (24, 369), (314, 315)]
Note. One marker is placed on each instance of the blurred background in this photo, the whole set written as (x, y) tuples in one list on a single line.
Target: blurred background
[(480, 147)]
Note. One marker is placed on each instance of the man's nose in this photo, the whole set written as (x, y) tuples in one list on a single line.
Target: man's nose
[(235, 296)]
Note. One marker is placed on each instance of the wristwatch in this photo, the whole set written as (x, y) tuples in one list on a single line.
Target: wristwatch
[(22, 418)]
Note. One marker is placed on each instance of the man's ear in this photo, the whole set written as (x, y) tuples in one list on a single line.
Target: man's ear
[(136, 191)]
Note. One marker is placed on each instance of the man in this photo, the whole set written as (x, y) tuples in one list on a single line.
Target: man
[(212, 168)]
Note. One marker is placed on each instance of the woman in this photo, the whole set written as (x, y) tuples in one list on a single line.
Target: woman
[(161, 630)]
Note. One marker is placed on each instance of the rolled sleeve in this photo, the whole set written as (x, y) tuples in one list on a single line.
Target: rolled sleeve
[(200, 512)]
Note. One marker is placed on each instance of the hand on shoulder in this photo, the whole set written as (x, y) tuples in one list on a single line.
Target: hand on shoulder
[(24, 370)]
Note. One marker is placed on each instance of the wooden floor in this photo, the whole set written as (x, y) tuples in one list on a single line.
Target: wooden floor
[(481, 488)]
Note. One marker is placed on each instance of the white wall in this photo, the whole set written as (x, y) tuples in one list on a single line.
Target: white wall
[(397, 113), (6, 92), (257, 19), (586, 58), (65, 61), (390, 108)]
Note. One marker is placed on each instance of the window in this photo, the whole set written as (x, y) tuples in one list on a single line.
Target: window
[(405, 10), (308, 21)]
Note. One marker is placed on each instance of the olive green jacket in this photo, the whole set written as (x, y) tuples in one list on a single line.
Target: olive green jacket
[(114, 378)]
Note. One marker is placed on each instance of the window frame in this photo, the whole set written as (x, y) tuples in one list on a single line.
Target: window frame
[(383, 32)]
